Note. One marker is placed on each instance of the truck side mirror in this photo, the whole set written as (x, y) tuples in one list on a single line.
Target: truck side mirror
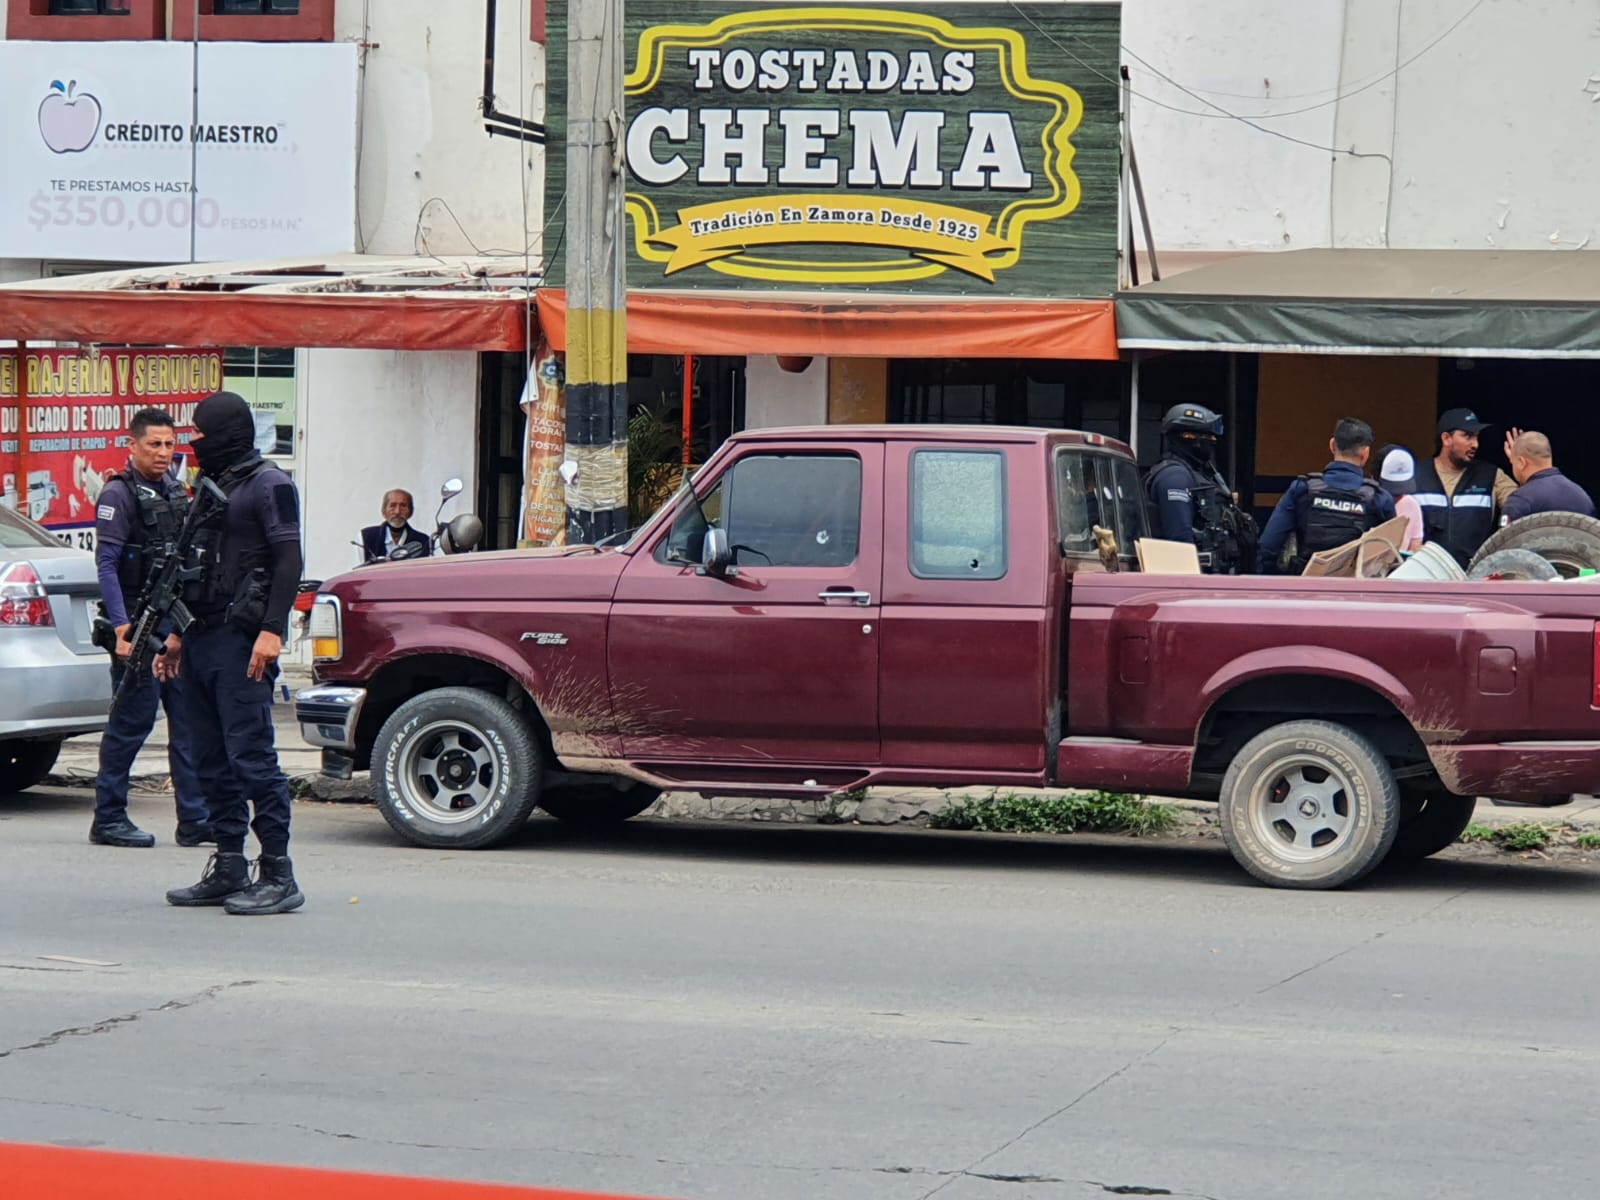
[(716, 557)]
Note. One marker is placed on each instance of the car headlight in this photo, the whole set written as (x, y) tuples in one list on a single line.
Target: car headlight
[(326, 627)]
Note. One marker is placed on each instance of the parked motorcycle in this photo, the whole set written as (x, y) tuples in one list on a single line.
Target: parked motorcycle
[(459, 535)]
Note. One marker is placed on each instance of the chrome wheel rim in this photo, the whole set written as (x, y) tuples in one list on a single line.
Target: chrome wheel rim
[(1304, 810), (448, 772)]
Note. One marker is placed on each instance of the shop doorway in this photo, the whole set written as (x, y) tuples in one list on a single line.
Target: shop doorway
[(1555, 397), (500, 449)]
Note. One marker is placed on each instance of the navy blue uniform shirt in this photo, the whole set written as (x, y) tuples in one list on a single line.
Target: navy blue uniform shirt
[(1547, 491), (1174, 505), (1290, 515), (262, 511)]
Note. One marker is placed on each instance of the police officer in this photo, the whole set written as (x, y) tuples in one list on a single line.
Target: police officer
[(137, 514), (1327, 509), (1191, 500), (251, 560), (1461, 496)]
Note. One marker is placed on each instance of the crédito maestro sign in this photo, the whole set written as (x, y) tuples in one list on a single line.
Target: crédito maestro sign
[(963, 147)]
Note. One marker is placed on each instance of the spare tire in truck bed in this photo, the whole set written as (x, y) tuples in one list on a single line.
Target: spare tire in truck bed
[(1571, 541)]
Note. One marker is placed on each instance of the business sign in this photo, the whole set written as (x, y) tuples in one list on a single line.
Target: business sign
[(58, 450), (944, 148), (107, 157)]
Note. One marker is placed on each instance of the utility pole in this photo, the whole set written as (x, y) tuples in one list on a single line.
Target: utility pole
[(596, 467)]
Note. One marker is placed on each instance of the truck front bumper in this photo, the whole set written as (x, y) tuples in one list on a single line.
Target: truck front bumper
[(328, 717)]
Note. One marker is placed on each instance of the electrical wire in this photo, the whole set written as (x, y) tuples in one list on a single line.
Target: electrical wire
[(1224, 113), (361, 118), (1373, 82), (1221, 112)]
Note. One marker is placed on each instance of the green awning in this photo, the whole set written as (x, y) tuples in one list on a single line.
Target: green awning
[(1466, 303)]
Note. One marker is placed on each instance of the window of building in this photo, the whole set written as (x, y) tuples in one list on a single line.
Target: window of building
[(246, 8), (958, 514), (780, 510), (265, 378), (255, 21), (85, 20)]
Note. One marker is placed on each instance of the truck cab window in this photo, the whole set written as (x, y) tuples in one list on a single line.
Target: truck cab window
[(1077, 501), (958, 514), (779, 510)]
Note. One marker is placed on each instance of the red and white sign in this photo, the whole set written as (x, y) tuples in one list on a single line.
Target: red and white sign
[(58, 449)]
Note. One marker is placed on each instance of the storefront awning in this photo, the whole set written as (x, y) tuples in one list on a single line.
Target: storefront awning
[(1465, 303), (354, 301), (667, 322)]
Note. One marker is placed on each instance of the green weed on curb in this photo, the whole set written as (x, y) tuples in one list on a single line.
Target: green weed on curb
[(1092, 812)]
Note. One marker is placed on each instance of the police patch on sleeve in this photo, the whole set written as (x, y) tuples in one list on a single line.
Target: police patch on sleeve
[(1178, 494), (106, 513)]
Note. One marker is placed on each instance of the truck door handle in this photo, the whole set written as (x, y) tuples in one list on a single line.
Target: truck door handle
[(860, 599)]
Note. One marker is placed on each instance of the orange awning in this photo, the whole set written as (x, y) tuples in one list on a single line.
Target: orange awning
[(661, 322), (352, 301)]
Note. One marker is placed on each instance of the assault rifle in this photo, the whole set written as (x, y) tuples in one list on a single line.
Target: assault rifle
[(162, 597)]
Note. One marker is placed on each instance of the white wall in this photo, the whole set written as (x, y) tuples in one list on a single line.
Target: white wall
[(423, 136), (774, 397), (1422, 135), (1213, 183), (375, 420)]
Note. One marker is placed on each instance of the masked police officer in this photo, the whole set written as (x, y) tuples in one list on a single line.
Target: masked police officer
[(1328, 509), (241, 603), (1191, 500), (137, 515)]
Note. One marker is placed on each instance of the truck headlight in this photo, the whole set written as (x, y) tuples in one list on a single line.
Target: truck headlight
[(326, 627)]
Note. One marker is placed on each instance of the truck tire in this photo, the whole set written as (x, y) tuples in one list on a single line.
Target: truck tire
[(1309, 804), (1570, 541), (1430, 822), (1514, 566), (596, 805), (23, 764), (455, 768)]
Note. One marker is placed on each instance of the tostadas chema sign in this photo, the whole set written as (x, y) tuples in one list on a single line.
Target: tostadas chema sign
[(959, 149)]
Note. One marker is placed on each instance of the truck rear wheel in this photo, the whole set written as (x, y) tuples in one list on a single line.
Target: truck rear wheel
[(1309, 804), (1429, 822), (455, 768), (596, 805)]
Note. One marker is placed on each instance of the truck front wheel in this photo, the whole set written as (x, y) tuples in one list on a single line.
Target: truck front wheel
[(1309, 804), (455, 768)]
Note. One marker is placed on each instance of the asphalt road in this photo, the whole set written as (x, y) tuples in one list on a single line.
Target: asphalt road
[(727, 1012)]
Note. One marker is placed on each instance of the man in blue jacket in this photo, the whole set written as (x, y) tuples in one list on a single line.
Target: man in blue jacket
[(1543, 487), (1328, 509)]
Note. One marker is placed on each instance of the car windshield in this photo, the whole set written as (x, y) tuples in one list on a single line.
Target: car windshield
[(19, 533)]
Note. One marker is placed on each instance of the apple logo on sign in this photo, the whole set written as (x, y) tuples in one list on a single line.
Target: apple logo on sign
[(68, 121)]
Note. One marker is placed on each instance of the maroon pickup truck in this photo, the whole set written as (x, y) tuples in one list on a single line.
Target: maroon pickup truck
[(842, 607)]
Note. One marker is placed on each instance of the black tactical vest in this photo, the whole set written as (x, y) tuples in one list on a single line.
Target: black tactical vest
[(157, 517), (1334, 516), (1462, 522)]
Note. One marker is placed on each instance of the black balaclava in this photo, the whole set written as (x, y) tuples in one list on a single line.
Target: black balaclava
[(230, 432), (1199, 451)]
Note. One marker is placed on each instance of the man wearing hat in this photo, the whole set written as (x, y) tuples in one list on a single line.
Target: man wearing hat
[(1461, 496), (1397, 475)]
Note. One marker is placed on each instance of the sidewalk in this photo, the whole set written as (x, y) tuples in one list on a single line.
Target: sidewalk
[(882, 806)]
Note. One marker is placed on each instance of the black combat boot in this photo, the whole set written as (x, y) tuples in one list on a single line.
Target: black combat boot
[(121, 832), (196, 833), (225, 875), (274, 890)]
